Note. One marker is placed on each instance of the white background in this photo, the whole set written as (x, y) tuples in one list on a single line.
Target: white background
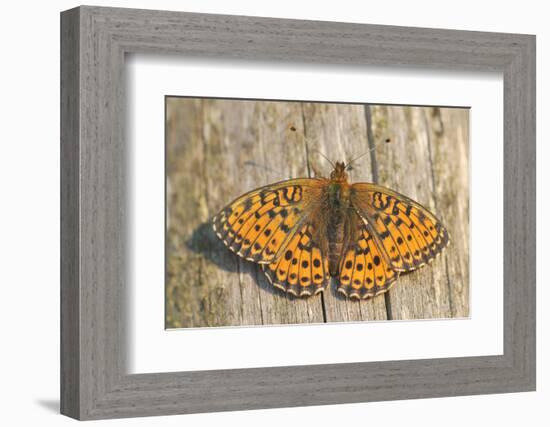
[(29, 214), (152, 349)]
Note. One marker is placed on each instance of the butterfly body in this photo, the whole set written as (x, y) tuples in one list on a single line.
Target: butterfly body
[(338, 203), (303, 231)]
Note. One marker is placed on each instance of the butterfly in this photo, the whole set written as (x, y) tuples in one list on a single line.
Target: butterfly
[(303, 231)]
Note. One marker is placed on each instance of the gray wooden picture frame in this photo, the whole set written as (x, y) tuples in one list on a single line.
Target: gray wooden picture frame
[(94, 381)]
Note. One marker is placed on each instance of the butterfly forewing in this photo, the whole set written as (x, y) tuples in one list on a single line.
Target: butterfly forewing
[(409, 234), (258, 225)]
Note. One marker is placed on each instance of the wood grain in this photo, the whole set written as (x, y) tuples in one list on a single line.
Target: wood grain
[(220, 149)]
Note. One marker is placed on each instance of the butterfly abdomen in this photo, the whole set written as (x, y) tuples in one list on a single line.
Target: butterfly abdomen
[(335, 234)]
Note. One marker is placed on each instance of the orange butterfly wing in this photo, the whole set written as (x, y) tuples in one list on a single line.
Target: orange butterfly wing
[(364, 271), (275, 226), (302, 270), (408, 234), (259, 224)]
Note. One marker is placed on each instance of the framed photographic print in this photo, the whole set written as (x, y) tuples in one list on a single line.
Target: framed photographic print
[(262, 213)]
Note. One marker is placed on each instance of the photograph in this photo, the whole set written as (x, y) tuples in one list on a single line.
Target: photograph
[(275, 214), (283, 212)]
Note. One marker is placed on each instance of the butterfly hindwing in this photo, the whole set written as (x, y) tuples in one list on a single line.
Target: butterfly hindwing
[(408, 233), (258, 225), (301, 270), (364, 271)]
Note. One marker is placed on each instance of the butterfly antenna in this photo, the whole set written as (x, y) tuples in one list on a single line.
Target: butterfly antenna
[(377, 145), (323, 156), (258, 165), (293, 129)]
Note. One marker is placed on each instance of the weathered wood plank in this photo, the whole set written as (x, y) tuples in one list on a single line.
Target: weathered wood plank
[(410, 167), (339, 131), (220, 149), (449, 133), (198, 293), (277, 148), (405, 166), (227, 136)]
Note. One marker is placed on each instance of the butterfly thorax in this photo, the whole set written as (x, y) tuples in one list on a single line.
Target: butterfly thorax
[(338, 195), (338, 188)]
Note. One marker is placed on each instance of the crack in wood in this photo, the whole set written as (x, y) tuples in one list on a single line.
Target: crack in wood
[(374, 171)]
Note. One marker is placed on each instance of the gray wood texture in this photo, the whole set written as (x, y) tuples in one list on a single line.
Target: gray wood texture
[(220, 149), (94, 380)]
